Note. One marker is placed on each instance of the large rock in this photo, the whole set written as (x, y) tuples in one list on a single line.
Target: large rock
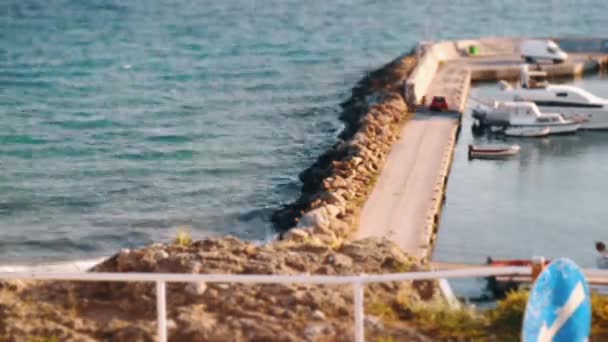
[(339, 260), (196, 288), (297, 234), (332, 210), (331, 196), (316, 331), (131, 334), (315, 218), (319, 217)]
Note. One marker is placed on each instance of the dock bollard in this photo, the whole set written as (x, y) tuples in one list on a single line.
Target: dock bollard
[(538, 264)]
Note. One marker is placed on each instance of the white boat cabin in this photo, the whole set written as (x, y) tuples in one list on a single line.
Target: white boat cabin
[(527, 113), (535, 88), (572, 102)]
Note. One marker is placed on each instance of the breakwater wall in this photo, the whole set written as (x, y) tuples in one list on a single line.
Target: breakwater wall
[(433, 216), (336, 186), (430, 58)]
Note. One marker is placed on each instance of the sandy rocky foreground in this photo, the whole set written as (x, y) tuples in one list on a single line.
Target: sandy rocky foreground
[(63, 311), (325, 216)]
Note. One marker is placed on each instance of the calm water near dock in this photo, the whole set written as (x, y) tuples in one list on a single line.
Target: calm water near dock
[(550, 200), (121, 120)]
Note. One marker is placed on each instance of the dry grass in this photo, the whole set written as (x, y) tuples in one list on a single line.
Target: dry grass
[(44, 339), (381, 310), (502, 323), (183, 237)]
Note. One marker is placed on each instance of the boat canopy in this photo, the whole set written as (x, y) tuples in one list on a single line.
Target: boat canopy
[(574, 94)]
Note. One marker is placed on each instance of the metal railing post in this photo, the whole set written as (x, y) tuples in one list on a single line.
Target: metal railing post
[(161, 310), (359, 328)]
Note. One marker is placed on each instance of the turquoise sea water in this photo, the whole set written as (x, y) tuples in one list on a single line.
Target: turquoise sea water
[(121, 120)]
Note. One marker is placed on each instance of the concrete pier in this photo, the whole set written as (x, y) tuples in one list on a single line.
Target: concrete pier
[(401, 207), (406, 202)]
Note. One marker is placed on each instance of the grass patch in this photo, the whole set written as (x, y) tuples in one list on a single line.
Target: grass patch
[(507, 317), (44, 339), (385, 339), (403, 267), (336, 243), (183, 237), (501, 323), (441, 321), (599, 316), (381, 310)]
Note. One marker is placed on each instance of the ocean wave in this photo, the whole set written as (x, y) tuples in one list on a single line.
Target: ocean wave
[(85, 124), (170, 138), (78, 265), (157, 155), (16, 139)]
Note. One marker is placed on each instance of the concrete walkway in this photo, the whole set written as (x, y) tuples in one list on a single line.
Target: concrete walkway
[(452, 81), (399, 205)]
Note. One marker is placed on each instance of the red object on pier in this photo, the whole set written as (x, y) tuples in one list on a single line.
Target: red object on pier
[(512, 262), (438, 104)]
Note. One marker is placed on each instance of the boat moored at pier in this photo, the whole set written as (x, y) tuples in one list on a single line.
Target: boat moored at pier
[(574, 103), (524, 119), (492, 151)]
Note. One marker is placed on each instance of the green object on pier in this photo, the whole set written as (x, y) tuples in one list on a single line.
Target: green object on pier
[(473, 50)]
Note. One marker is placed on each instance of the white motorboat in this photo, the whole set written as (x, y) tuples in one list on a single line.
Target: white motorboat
[(493, 151), (524, 119), (572, 102)]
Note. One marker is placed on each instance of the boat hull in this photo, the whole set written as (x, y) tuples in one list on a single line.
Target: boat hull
[(525, 119), (589, 118), (493, 153), (565, 128), (527, 132)]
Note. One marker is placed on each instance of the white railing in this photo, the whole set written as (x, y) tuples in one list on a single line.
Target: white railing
[(358, 281)]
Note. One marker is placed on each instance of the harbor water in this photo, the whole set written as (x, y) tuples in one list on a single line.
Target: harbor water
[(122, 121), (547, 201)]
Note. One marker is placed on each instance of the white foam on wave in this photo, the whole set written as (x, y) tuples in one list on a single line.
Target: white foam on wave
[(66, 266), (85, 265)]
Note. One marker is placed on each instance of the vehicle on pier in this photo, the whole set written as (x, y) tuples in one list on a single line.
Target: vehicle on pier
[(534, 50), (438, 104)]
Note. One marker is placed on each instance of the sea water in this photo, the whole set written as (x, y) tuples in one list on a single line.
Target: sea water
[(122, 121)]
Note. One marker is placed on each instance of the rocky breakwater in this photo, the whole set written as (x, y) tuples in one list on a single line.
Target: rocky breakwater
[(77, 311), (336, 186)]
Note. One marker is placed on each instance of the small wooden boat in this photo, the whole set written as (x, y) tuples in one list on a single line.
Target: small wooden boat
[(493, 151)]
